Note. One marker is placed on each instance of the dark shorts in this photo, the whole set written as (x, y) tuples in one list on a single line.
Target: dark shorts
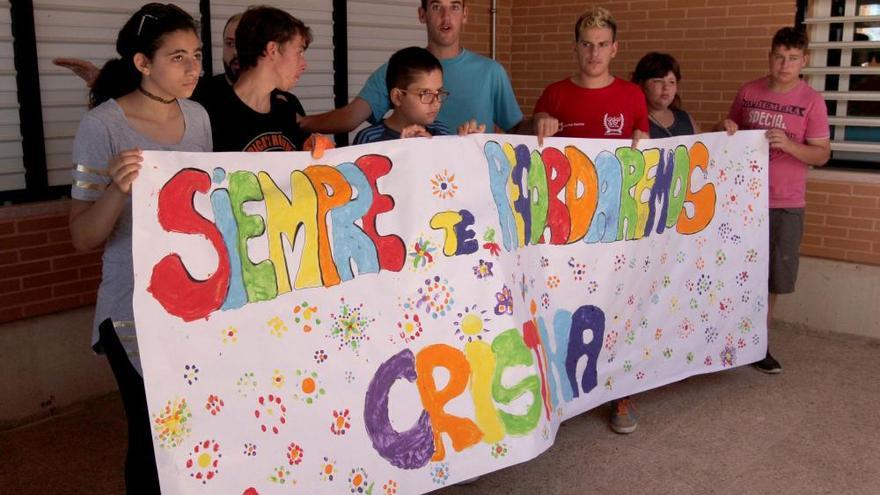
[(786, 230)]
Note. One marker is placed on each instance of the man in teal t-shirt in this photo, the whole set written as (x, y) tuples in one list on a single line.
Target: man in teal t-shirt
[(479, 88)]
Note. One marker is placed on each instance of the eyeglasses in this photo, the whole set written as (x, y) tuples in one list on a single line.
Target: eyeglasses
[(428, 97)]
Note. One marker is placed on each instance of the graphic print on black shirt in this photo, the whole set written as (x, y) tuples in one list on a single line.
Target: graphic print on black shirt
[(237, 127)]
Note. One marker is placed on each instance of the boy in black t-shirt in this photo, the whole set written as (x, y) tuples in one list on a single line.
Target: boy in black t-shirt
[(257, 113)]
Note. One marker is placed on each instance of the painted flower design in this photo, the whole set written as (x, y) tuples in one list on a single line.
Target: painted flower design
[(685, 328), (350, 325), (358, 481), (711, 334), (171, 425), (306, 314), (190, 374), (499, 450), (271, 413), (390, 488), (320, 356), (204, 460), (751, 256), (552, 282), (504, 302), (277, 327), (578, 270), (278, 379), (470, 324), (307, 386), (295, 454), (434, 298), (410, 328), (440, 473), (341, 422), (246, 383), (611, 339), (423, 253), (250, 450), (725, 307), (214, 404), (545, 300), (281, 476), (443, 185), (728, 356), (483, 269), (490, 244), (229, 335), (328, 469)]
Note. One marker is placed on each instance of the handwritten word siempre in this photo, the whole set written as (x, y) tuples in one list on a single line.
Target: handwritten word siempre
[(319, 193), (623, 195), (481, 368)]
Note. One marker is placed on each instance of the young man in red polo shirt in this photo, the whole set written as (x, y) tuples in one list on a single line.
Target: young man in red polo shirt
[(594, 104)]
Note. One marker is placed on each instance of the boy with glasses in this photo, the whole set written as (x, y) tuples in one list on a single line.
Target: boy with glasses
[(415, 86), (479, 87)]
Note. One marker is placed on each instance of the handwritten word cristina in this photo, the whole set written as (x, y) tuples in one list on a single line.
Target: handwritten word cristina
[(481, 368)]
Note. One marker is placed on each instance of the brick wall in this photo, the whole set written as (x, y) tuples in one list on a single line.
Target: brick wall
[(476, 35), (40, 273), (842, 221)]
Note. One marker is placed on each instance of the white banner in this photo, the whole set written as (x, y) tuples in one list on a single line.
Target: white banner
[(401, 316)]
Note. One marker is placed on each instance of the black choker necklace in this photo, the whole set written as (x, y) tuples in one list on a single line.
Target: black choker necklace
[(154, 97)]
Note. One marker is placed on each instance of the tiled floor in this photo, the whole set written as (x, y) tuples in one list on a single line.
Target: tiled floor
[(813, 429)]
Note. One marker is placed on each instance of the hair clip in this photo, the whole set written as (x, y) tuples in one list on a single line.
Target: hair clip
[(143, 18)]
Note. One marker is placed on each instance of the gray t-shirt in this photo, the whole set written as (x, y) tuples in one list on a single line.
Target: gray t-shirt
[(103, 133)]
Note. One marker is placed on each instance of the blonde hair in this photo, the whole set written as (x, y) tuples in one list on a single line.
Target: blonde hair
[(598, 17)]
